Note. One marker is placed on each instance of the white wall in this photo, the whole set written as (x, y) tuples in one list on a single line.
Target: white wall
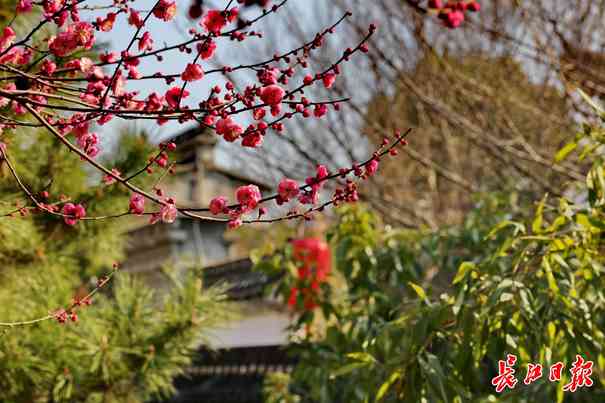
[(259, 324)]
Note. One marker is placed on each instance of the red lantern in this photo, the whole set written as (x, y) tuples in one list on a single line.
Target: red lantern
[(313, 256)]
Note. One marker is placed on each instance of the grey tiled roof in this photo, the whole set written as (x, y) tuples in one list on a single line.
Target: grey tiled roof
[(244, 282)]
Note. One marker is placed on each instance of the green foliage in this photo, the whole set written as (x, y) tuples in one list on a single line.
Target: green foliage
[(130, 344), (377, 272), (123, 349), (126, 347), (276, 389), (427, 316)]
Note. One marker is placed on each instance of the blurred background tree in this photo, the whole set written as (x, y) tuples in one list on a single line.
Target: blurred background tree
[(479, 133), (491, 100)]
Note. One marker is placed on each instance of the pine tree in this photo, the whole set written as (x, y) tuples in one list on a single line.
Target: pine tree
[(127, 345)]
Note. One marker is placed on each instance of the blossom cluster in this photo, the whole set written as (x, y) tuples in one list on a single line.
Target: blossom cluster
[(72, 95), (452, 12), (290, 191)]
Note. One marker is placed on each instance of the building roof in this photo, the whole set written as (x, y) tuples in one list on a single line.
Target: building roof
[(243, 282)]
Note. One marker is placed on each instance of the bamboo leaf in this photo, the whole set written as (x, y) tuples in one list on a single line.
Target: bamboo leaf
[(347, 369), (565, 151), (384, 388), (462, 271), (363, 357), (419, 290)]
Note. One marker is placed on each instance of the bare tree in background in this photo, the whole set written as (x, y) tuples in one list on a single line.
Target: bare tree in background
[(492, 101)]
